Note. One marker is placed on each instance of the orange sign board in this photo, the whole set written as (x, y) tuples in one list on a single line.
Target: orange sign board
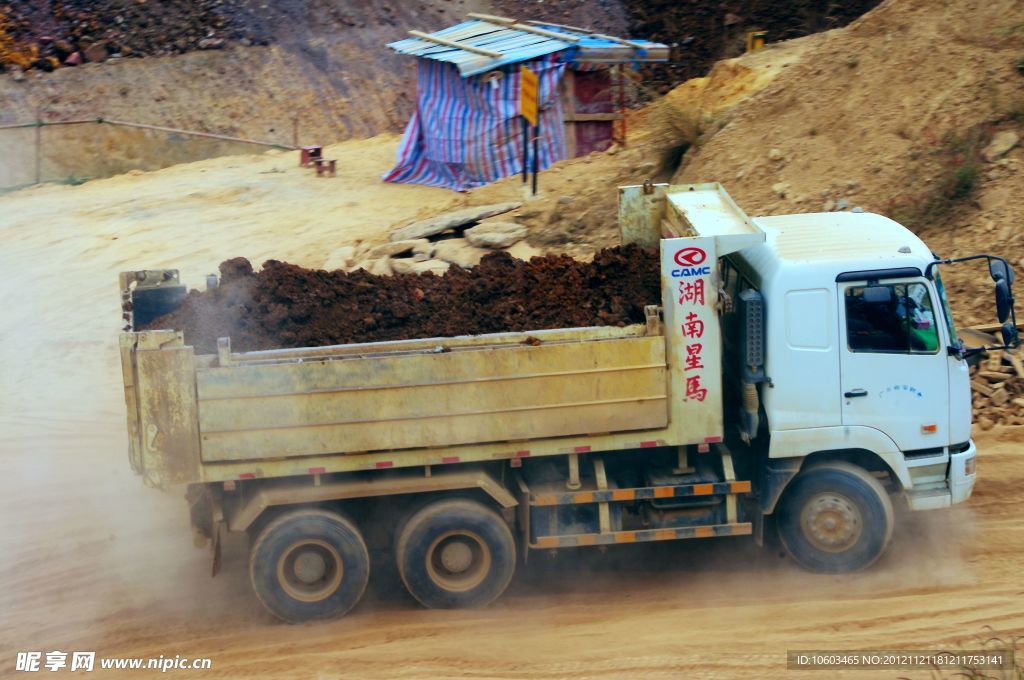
[(528, 95)]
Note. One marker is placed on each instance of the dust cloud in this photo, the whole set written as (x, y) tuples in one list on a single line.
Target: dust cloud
[(92, 560)]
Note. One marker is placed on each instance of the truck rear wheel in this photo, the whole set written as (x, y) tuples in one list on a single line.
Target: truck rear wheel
[(309, 564), (835, 518), (455, 553)]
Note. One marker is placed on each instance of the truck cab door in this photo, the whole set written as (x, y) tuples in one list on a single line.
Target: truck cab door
[(894, 373)]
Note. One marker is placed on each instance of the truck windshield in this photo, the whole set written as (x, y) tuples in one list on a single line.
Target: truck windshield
[(946, 311)]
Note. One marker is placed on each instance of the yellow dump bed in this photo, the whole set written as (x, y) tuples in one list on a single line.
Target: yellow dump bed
[(204, 418), (387, 404)]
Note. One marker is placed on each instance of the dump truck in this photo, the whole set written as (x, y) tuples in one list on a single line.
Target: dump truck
[(799, 377)]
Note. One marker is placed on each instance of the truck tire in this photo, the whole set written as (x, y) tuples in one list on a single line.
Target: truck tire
[(455, 553), (835, 518), (309, 564)]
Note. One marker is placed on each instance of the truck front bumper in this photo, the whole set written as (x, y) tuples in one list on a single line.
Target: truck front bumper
[(960, 476)]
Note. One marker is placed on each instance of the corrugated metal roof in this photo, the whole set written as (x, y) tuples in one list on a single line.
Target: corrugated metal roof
[(490, 45)]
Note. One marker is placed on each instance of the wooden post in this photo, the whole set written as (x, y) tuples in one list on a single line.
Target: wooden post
[(526, 148), (39, 150), (536, 153), (567, 92)]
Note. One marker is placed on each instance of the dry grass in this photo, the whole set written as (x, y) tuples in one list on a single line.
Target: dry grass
[(956, 157), (12, 54)]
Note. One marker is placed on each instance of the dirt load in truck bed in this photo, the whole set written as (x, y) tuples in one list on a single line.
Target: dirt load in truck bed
[(284, 305)]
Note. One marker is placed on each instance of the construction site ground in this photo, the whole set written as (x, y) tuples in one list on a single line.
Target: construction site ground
[(92, 560)]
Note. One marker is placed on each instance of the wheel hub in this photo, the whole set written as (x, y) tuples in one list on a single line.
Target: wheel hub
[(310, 570), (456, 556), (458, 561), (831, 522), (310, 567)]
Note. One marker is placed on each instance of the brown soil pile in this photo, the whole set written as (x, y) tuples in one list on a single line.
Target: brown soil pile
[(284, 305)]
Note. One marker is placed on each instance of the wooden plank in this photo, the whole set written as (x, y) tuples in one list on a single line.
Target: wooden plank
[(981, 388), (615, 54), (554, 35), (491, 18), (621, 41), (995, 359), (1016, 362), (589, 117), (525, 28), (457, 45), (576, 29), (568, 96)]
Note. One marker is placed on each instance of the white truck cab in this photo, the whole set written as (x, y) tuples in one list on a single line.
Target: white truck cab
[(857, 342), (842, 373)]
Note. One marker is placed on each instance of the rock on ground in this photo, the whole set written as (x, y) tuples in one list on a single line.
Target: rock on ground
[(1001, 143), (407, 266), (458, 251), (397, 247), (449, 220), (341, 258), (495, 234)]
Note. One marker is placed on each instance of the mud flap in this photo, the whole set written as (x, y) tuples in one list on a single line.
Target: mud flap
[(758, 521), (215, 544)]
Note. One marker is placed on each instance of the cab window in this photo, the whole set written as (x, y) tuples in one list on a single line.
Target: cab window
[(893, 318)]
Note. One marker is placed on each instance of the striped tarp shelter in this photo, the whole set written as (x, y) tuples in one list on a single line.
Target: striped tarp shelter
[(466, 130)]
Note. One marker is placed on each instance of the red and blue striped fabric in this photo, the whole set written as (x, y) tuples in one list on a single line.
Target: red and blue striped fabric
[(466, 132)]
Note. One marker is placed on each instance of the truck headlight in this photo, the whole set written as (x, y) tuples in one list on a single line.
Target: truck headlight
[(970, 465)]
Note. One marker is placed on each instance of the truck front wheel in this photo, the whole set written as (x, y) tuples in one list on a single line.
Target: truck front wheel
[(835, 518), (309, 564), (455, 553)]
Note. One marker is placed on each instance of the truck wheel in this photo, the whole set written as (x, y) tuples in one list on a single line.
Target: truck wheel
[(455, 553), (835, 518), (309, 564)]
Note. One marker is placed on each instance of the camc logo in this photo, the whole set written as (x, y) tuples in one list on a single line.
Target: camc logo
[(690, 257), (690, 260)]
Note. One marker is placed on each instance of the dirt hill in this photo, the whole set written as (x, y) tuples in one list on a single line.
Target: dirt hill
[(893, 114)]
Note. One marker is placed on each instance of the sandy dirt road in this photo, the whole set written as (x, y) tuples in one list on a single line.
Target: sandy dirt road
[(90, 560)]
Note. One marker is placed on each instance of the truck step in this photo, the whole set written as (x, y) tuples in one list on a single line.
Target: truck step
[(640, 493), (643, 535)]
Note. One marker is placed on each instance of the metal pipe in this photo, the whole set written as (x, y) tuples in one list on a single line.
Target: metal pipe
[(208, 135), (144, 126), (39, 154), (41, 123)]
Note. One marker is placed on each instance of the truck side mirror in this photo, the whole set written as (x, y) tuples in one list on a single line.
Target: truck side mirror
[(1009, 333), (1000, 270), (1002, 300)]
